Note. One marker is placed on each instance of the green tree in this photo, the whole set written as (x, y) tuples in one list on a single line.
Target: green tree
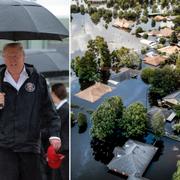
[(176, 128), (178, 61), (72, 119), (82, 122), (74, 9), (143, 50), (158, 124), (177, 111), (164, 3), (145, 13), (144, 19), (95, 17), (153, 23), (145, 35), (115, 14), (176, 21), (86, 68), (164, 81), (123, 57), (101, 53), (176, 175), (138, 30), (162, 40), (173, 38), (147, 75), (107, 118), (134, 121), (82, 9)]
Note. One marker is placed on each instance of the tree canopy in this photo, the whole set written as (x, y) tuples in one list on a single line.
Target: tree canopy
[(106, 118), (134, 121), (158, 124)]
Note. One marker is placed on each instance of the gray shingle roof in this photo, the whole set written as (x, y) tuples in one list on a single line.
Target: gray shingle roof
[(132, 159)]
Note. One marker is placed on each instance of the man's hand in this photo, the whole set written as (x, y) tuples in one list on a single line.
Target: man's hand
[(55, 143), (2, 99)]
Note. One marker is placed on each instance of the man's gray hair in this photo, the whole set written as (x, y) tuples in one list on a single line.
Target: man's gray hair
[(16, 44)]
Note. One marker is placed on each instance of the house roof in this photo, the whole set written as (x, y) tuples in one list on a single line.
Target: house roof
[(132, 159), (94, 92), (136, 178), (163, 111), (154, 60), (123, 23), (153, 33), (169, 49), (165, 32), (159, 18), (173, 98)]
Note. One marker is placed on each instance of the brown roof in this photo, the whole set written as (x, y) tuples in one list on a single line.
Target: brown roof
[(123, 23), (94, 92), (154, 60), (153, 33), (169, 49), (159, 18), (166, 32)]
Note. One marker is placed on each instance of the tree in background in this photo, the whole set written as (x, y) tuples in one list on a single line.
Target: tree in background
[(107, 118), (124, 57), (134, 121), (164, 81), (82, 122), (176, 22), (158, 124), (95, 17), (173, 38), (138, 30), (153, 23), (86, 69), (94, 65), (162, 40), (102, 58), (176, 175), (177, 110), (147, 74)]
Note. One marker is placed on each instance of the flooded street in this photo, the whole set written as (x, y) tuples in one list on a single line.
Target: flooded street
[(84, 166), (83, 29)]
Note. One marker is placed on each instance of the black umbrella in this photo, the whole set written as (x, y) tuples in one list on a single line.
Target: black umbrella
[(24, 20), (48, 62)]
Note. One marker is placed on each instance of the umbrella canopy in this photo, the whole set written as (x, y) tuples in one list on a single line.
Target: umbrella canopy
[(46, 61), (24, 20)]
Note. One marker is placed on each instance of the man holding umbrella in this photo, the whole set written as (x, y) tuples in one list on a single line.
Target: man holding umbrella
[(25, 108)]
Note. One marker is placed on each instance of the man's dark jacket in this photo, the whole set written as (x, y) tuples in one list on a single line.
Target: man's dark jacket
[(25, 112), (63, 112)]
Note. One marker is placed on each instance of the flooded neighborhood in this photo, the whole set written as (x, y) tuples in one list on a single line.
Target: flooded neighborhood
[(125, 89)]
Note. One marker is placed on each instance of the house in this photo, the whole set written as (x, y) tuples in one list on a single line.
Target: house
[(169, 49), (149, 43), (123, 23), (154, 60), (165, 32), (166, 113), (132, 159), (124, 74), (151, 54), (153, 33), (94, 92), (160, 18), (172, 99)]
